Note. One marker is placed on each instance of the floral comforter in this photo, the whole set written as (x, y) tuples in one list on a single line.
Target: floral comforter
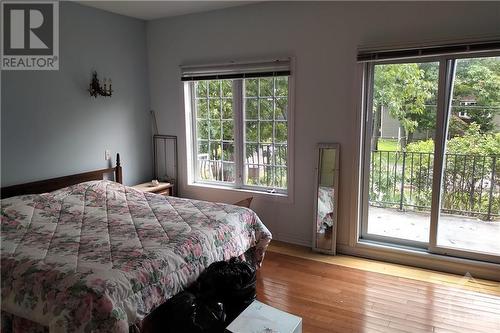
[(99, 256)]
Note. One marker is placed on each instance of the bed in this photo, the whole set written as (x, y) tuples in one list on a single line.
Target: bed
[(97, 256)]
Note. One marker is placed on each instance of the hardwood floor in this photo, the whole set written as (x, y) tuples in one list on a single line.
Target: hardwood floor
[(334, 298), (426, 275)]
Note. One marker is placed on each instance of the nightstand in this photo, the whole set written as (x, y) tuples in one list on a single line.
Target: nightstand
[(161, 188)]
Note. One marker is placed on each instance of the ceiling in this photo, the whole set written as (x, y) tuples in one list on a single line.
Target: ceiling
[(150, 10)]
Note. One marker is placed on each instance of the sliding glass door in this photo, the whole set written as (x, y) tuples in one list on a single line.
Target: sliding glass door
[(400, 171), (469, 218), (432, 154)]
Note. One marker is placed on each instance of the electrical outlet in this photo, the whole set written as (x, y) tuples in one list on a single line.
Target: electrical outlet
[(107, 155)]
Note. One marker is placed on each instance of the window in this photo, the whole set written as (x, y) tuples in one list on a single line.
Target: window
[(240, 127), (214, 130), (266, 132), (435, 186)]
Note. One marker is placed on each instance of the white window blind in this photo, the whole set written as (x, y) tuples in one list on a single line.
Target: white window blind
[(279, 67), (376, 55)]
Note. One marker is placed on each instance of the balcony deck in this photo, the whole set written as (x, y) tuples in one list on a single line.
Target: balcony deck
[(454, 231)]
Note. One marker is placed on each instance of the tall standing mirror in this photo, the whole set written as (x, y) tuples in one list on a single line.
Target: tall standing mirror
[(326, 198)]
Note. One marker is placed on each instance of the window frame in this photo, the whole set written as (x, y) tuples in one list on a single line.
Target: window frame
[(259, 120), (447, 65), (194, 119), (239, 128)]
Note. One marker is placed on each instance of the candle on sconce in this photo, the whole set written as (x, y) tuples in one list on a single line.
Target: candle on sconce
[(100, 87)]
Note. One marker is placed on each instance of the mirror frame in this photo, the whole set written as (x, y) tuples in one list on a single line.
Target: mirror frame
[(320, 146)]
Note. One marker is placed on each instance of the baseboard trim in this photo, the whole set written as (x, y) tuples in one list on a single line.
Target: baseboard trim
[(421, 259), (291, 239)]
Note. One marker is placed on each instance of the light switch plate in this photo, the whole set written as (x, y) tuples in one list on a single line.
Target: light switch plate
[(107, 155)]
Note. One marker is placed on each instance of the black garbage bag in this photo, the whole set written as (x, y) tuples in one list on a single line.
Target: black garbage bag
[(219, 295), (186, 313), (232, 283)]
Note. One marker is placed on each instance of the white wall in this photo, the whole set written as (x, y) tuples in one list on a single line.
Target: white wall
[(323, 37), (51, 126)]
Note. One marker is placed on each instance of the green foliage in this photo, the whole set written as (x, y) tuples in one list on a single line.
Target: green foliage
[(202, 108), (214, 108), (394, 173), (478, 78), (227, 109), (215, 130), (251, 131), (471, 165), (227, 88), (228, 130), (281, 108), (202, 147), (402, 88), (266, 87), (281, 132), (457, 126), (471, 168), (228, 151), (423, 146), (251, 109), (252, 87), (266, 109), (214, 88), (266, 130), (473, 142), (483, 116), (202, 128), (201, 89), (403, 175), (281, 86), (409, 91)]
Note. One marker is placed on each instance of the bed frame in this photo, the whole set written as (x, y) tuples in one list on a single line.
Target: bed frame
[(53, 184)]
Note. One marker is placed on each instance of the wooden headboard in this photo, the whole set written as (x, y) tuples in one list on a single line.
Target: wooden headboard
[(53, 184)]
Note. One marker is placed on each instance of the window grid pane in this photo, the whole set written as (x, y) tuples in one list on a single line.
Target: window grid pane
[(266, 132), (214, 130)]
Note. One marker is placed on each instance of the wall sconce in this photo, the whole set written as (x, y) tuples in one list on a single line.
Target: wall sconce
[(96, 89)]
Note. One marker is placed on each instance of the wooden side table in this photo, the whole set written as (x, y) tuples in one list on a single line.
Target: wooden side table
[(162, 188)]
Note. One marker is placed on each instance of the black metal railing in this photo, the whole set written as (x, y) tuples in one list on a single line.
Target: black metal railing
[(265, 164), (403, 180)]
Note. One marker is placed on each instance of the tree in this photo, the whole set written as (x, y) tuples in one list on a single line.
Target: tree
[(404, 91), (409, 92), (457, 126), (479, 79)]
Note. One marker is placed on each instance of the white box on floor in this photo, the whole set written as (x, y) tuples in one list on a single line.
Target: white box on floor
[(261, 318)]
